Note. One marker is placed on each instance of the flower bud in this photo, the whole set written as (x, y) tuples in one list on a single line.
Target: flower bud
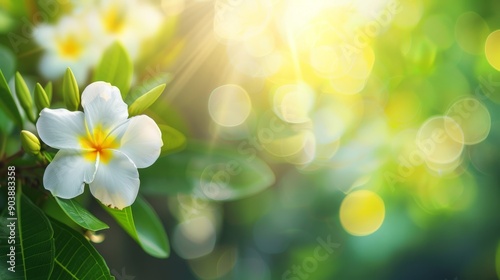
[(41, 98), (24, 96), (71, 94), (30, 142)]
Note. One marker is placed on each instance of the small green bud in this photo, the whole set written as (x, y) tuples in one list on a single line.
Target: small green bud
[(41, 98), (71, 94), (24, 96), (145, 100), (30, 142)]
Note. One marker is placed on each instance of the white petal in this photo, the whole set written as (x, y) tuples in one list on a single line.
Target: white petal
[(140, 140), (103, 106), (43, 35), (67, 173), (60, 128), (116, 182)]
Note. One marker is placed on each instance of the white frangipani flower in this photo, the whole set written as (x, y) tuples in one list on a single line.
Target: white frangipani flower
[(70, 43), (101, 147)]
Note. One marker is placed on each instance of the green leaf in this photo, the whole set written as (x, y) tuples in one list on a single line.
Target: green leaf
[(150, 229), (6, 124), (8, 65), (24, 96), (34, 242), (212, 173), (7, 103), (41, 98), (146, 100), (48, 156), (143, 225), (75, 257), (48, 91), (155, 77), (70, 91), (173, 140), (80, 215), (116, 68)]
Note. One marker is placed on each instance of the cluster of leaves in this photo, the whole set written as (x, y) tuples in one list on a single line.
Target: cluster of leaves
[(50, 244), (47, 247)]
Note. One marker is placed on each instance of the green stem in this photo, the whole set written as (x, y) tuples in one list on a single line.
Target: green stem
[(13, 157)]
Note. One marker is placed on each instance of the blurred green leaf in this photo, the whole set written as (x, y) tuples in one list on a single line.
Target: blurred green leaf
[(173, 140), (34, 242), (8, 65), (75, 257), (155, 77), (70, 91), (41, 98), (116, 68), (150, 229), (143, 225), (6, 123), (48, 90), (146, 100), (24, 96), (213, 173), (80, 215), (7, 103)]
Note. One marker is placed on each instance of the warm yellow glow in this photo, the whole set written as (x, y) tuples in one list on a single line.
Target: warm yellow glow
[(348, 85), (362, 212), (293, 103)]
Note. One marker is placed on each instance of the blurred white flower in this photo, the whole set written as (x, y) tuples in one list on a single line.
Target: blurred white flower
[(70, 43), (101, 147), (128, 21), (79, 39)]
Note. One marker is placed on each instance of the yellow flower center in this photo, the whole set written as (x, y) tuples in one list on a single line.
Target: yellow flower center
[(98, 142), (114, 20), (69, 47)]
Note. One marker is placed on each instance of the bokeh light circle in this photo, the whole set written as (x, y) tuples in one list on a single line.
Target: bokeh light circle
[(472, 117), (194, 238), (362, 212), (491, 49), (293, 103), (229, 105), (440, 139), (471, 30)]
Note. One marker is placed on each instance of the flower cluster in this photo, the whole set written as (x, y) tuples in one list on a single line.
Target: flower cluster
[(78, 39)]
